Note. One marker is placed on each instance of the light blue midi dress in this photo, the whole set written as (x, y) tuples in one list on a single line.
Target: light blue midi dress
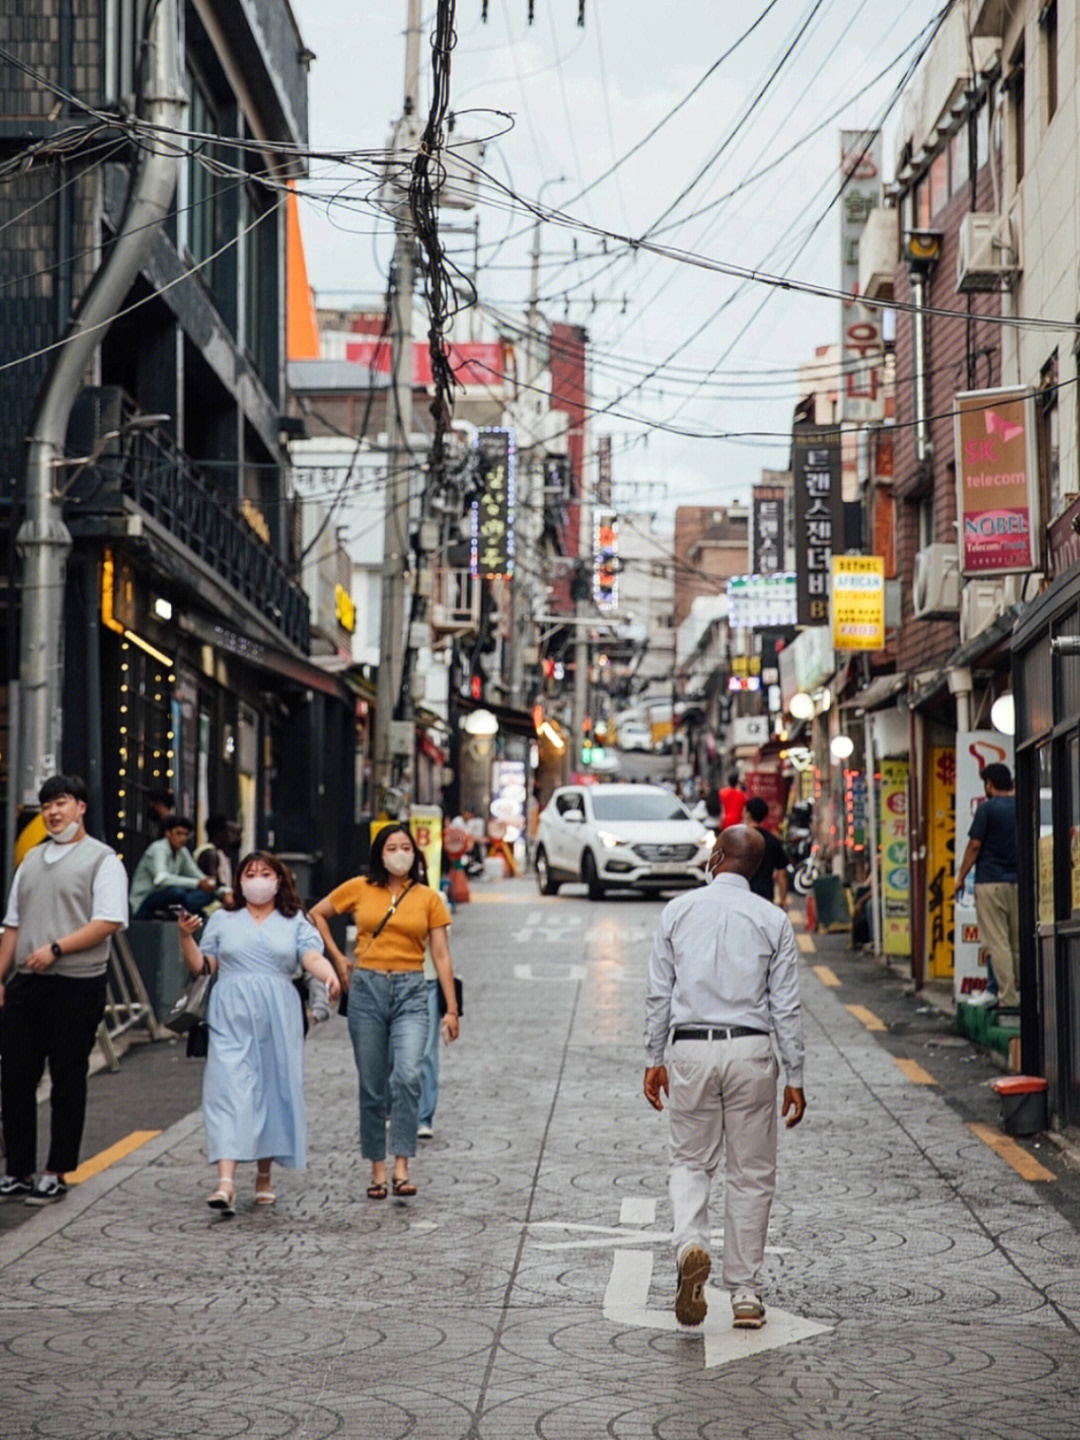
[(253, 1088)]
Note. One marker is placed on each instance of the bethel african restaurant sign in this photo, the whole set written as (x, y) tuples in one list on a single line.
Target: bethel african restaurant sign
[(997, 481)]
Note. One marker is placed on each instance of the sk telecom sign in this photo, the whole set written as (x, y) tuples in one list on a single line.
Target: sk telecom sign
[(858, 602), (819, 516), (997, 482)]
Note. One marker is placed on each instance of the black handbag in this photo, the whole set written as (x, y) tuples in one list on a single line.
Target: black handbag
[(459, 996), (198, 1041)]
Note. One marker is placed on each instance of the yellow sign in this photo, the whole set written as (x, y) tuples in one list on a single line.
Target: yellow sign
[(426, 827), (941, 860), (858, 602), (344, 609)]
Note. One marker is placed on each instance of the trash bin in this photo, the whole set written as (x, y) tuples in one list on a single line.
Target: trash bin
[(831, 903), (155, 947), (302, 866), (1023, 1104)]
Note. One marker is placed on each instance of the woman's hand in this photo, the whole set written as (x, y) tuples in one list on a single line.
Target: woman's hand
[(451, 1027), (333, 984), (187, 924)]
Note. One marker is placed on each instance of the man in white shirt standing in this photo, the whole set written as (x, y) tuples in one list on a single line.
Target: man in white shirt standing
[(723, 983), (68, 897)]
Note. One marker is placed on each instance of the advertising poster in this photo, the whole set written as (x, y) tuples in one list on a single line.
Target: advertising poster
[(426, 829), (941, 861), (895, 870), (858, 602), (819, 516), (997, 481), (974, 750), (769, 786)]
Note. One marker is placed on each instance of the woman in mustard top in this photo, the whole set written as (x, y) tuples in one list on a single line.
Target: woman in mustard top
[(397, 916)]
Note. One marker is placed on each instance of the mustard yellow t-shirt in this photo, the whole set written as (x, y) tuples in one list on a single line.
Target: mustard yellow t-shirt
[(401, 943)]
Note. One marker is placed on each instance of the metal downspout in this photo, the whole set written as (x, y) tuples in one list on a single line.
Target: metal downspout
[(922, 426), (43, 540)]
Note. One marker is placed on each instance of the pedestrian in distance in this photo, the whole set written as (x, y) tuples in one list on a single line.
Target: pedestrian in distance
[(253, 1088), (732, 799), (397, 917), (723, 985), (991, 850), (67, 899), (167, 875), (769, 880)]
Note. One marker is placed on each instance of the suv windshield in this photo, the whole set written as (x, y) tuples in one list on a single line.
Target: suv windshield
[(648, 805)]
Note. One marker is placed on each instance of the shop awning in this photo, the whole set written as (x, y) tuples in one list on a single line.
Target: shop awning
[(880, 692), (511, 721), (298, 668)]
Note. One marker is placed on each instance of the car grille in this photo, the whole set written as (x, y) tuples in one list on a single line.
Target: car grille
[(667, 853)]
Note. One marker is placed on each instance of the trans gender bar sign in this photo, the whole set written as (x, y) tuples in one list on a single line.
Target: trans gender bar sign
[(819, 517), (862, 348), (767, 538), (997, 482)]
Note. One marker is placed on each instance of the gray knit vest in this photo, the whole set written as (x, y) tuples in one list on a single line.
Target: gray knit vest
[(56, 900)]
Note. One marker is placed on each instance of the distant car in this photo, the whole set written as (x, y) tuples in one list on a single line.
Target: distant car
[(634, 735), (639, 837)]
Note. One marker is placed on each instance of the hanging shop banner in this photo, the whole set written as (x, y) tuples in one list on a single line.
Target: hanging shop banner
[(855, 812), (862, 347), (426, 828), (767, 529), (606, 561), (760, 602), (858, 602), (492, 551), (819, 516), (895, 869), (997, 481), (941, 861), (975, 749)]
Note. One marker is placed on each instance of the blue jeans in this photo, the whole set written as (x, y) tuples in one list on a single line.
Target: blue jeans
[(429, 1064), (190, 897), (388, 1010)]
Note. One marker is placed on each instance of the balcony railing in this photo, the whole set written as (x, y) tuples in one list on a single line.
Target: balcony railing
[(143, 466)]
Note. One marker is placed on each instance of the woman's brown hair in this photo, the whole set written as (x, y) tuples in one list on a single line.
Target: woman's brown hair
[(286, 901)]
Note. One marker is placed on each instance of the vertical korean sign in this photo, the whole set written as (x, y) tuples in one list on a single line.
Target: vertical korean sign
[(858, 602), (493, 513), (862, 350), (941, 861), (606, 561), (895, 870), (819, 516), (767, 542), (997, 481)]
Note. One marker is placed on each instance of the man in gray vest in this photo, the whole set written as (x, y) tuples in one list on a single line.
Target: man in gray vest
[(68, 897)]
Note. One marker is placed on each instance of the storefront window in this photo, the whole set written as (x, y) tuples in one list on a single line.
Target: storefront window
[(1044, 841), (1074, 822)]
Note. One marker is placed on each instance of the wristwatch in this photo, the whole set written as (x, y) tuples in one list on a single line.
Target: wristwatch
[(57, 953)]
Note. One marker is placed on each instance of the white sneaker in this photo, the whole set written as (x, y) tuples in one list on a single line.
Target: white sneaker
[(980, 1000), (748, 1313), (424, 1132)]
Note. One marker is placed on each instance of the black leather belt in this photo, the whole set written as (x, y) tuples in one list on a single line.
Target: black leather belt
[(715, 1032)]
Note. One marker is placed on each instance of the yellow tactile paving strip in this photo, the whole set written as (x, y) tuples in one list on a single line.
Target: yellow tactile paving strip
[(105, 1158), (1025, 1165)]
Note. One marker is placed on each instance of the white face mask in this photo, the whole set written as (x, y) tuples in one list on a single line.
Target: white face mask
[(259, 889), (398, 862), (67, 834)]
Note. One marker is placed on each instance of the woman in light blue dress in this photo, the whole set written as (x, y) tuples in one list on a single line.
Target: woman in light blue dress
[(253, 1089)]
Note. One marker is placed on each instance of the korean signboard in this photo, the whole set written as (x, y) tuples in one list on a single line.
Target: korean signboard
[(858, 602), (895, 869), (493, 513), (606, 561), (756, 602), (767, 532), (941, 860), (862, 349), (819, 516), (997, 481)]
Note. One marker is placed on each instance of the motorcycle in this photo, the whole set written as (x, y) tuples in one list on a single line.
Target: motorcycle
[(803, 864)]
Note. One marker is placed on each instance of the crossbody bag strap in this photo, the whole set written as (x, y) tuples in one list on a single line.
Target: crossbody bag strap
[(379, 928)]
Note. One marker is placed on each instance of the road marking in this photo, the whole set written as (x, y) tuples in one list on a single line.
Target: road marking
[(1025, 1165), (568, 973), (827, 976), (97, 1163), (601, 1235), (866, 1017), (536, 927), (805, 943), (915, 1072), (626, 1302), (639, 1210)]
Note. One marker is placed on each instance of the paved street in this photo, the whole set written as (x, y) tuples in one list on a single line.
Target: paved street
[(917, 1285)]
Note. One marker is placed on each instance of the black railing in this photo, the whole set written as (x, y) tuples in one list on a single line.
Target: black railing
[(144, 466)]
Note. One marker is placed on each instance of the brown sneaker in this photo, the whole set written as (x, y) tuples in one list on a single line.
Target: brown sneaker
[(690, 1305)]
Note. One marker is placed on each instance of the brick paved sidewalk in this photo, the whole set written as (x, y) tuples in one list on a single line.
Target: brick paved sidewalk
[(940, 1291)]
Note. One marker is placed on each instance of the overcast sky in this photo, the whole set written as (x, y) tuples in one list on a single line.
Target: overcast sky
[(580, 98)]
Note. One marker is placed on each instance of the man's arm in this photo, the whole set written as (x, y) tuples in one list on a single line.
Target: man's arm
[(661, 982), (971, 854), (8, 941), (785, 1009)]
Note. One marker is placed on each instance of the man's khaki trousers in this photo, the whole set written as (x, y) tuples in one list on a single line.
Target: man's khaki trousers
[(997, 909), (723, 1099)]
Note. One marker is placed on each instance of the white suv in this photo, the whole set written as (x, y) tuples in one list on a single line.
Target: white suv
[(626, 836)]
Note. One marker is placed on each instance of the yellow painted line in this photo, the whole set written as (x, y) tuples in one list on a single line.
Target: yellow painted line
[(866, 1017), (827, 976), (805, 942), (1025, 1165), (97, 1163), (915, 1072)]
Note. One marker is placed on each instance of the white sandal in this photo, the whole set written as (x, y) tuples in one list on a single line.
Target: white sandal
[(224, 1197)]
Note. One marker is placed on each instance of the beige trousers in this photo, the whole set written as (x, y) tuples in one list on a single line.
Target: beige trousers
[(723, 1098), (997, 909)]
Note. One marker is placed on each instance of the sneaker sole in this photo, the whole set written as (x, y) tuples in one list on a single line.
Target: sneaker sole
[(690, 1304), (37, 1201), (748, 1322)]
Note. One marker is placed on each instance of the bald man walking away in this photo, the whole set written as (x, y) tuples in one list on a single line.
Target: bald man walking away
[(723, 982)]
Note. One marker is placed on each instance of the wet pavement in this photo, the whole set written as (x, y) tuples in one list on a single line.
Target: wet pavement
[(917, 1285)]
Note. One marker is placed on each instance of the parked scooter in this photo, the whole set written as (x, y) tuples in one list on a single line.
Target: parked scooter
[(803, 866)]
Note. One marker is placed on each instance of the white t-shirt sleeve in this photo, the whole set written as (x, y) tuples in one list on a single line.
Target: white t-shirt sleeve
[(11, 914), (110, 894)]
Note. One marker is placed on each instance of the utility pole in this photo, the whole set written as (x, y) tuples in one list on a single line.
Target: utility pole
[(393, 733), (582, 646)]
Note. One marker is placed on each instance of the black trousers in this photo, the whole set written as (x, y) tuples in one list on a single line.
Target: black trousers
[(50, 1018)]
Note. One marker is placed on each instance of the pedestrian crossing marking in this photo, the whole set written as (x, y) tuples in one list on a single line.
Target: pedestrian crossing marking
[(827, 976), (806, 943), (866, 1017), (97, 1163), (915, 1072), (1025, 1165)]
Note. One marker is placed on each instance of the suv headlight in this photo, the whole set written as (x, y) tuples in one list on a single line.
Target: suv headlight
[(608, 840)]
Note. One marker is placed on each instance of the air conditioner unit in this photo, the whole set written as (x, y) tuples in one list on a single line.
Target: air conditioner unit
[(879, 254), (936, 591), (980, 605), (986, 253)]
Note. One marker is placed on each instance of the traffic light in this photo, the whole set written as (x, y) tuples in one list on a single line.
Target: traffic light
[(586, 741)]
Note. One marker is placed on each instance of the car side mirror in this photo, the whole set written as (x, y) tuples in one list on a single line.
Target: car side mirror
[(575, 817)]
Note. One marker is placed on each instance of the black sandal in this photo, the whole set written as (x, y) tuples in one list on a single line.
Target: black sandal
[(377, 1190), (403, 1187)]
